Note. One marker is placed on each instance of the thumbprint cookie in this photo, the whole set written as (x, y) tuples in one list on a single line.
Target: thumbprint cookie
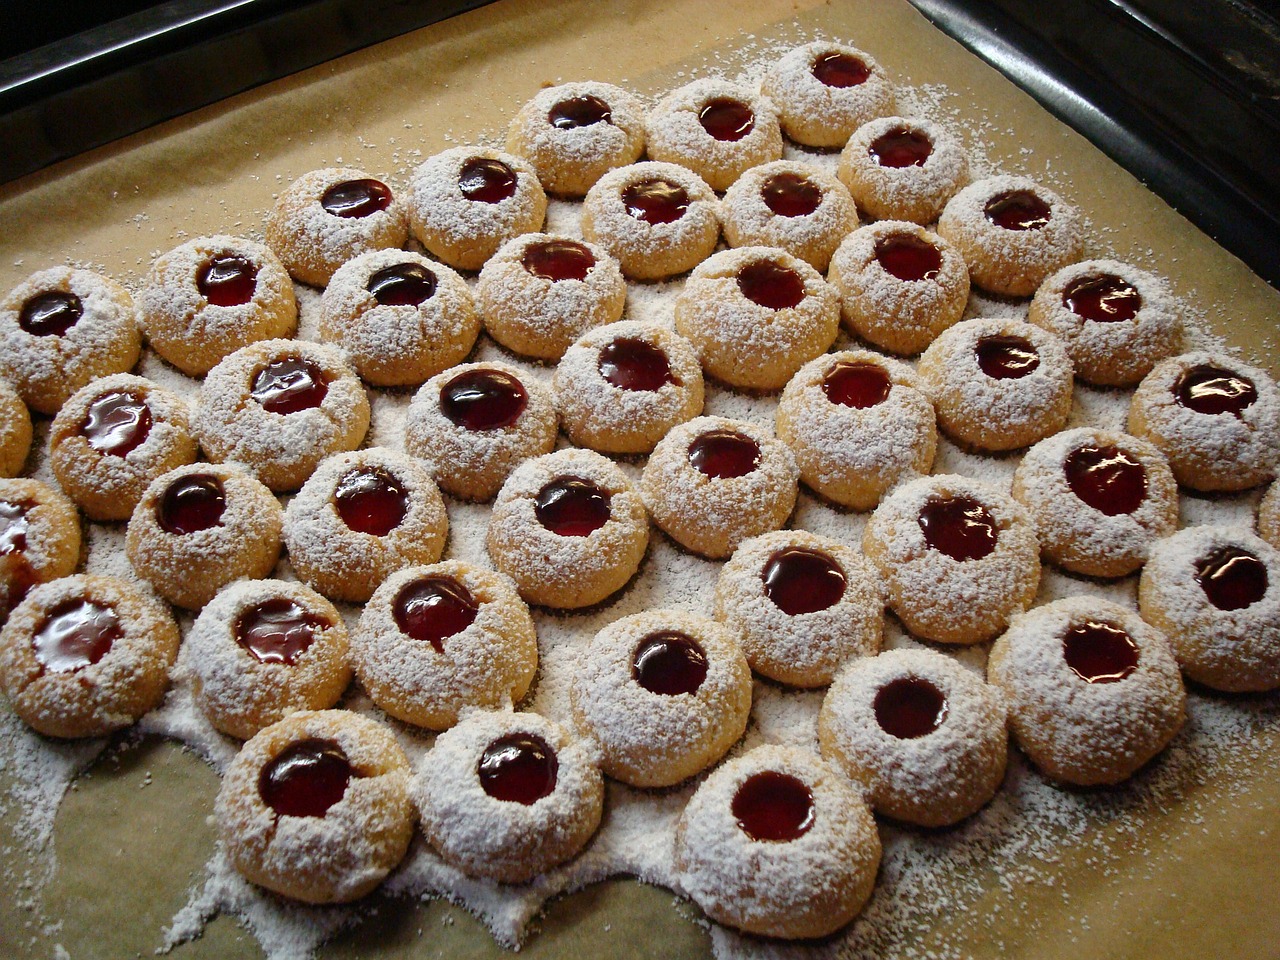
[(39, 538), (900, 169), (825, 91)]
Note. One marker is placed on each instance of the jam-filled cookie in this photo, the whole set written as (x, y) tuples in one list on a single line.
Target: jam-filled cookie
[(1213, 592), (801, 605), (328, 216), (1269, 516), (1216, 419), (621, 388), (664, 693), (1099, 499), (201, 526), (113, 437), (655, 219), (210, 297), (998, 384), (316, 807), (858, 424), (1116, 320), (1094, 692), (360, 517), (568, 528), (713, 482), (476, 422), (900, 169), (825, 91), (39, 538), (435, 640), (1013, 233), (924, 736), (86, 655), (539, 293), (778, 843), (900, 286), (61, 328), (508, 796), (15, 431), (263, 649), (400, 317), (575, 133), (279, 407), (467, 202), (958, 557), (756, 315)]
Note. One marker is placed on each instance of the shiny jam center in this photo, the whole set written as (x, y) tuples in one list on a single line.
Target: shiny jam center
[(1103, 299), (901, 147), (306, 778), (909, 707), (1212, 390), (289, 385), (908, 257), (75, 634), (402, 285), (192, 503), (277, 630), (655, 201), (959, 526), (518, 768), (791, 195), (799, 580), (633, 364), (724, 454), (1108, 479), (371, 500), (483, 400), (773, 806), (1100, 652), (485, 180), (116, 423), (14, 525), (860, 384), (1017, 210), (579, 112), (572, 506), (1232, 578), (433, 609), (669, 663), (726, 119), (557, 260), (228, 280), (1006, 358), (840, 70), (770, 284), (50, 314), (354, 199)]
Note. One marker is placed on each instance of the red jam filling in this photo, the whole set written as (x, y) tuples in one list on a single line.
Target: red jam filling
[(908, 257), (1108, 479), (191, 503), (1209, 389), (354, 199), (371, 500), (433, 609), (1006, 358), (483, 400), (959, 526), (909, 707), (726, 119), (1232, 578), (557, 260), (289, 385), (518, 768), (856, 383), (75, 634), (724, 454), (117, 423), (50, 314), (14, 525), (572, 507), (901, 147), (773, 806), (485, 180), (669, 663), (791, 195), (633, 364), (306, 779), (1100, 652), (402, 285), (228, 280), (277, 630), (1104, 299), (799, 580), (579, 112), (770, 284), (655, 201), (840, 70), (1017, 210)]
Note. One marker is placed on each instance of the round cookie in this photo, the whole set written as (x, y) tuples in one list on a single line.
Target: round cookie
[(824, 91), (1093, 691), (15, 431), (925, 737), (435, 640), (1269, 516), (279, 407), (756, 315), (801, 605), (360, 517), (211, 296), (664, 693), (86, 655), (998, 384), (1100, 499), (467, 202), (508, 796), (575, 133), (1116, 320), (958, 557), (113, 437), (568, 528), (400, 317), (39, 538), (713, 482), (326, 217), (61, 328), (858, 424), (201, 526), (778, 843), (316, 807), (1012, 232), (900, 169)]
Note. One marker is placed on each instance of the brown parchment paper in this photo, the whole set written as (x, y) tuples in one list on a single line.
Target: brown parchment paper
[(132, 836)]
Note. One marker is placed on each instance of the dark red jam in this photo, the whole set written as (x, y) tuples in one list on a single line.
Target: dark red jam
[(518, 768), (117, 423), (1017, 210), (75, 634), (791, 195), (1232, 578), (655, 201), (14, 525), (306, 779), (1209, 389), (724, 454), (908, 257), (800, 580), (402, 285), (289, 385), (1005, 357), (1100, 652), (1108, 479), (856, 383), (277, 630), (579, 112), (901, 147), (1103, 299), (840, 70), (909, 707), (558, 260), (371, 500), (773, 806), (483, 400), (632, 364), (726, 119), (50, 314), (670, 663), (356, 198), (959, 526), (770, 284), (191, 503), (433, 609), (485, 180), (228, 280), (572, 506)]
